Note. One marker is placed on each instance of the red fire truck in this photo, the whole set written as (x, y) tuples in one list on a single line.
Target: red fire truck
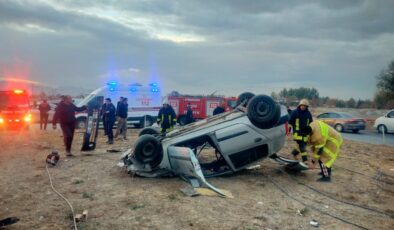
[(202, 106), (14, 109)]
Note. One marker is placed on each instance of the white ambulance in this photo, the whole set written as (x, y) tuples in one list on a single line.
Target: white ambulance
[(144, 102)]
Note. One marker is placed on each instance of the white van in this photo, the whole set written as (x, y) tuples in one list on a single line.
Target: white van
[(144, 102)]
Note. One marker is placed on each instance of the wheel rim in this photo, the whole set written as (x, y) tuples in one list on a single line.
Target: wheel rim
[(148, 150), (382, 129), (338, 128)]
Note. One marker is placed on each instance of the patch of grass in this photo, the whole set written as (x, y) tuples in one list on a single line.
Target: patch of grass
[(78, 181), (136, 207), (87, 195)]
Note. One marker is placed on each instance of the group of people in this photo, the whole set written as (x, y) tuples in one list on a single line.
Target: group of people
[(109, 114), (324, 141)]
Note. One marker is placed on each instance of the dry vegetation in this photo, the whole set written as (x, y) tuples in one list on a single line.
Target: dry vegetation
[(116, 200)]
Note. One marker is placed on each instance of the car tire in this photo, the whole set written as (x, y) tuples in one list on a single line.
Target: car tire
[(148, 150), (81, 123), (339, 128), (355, 130), (382, 129), (244, 98), (148, 130), (263, 111)]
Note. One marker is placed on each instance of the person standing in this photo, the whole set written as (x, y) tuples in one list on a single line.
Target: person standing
[(325, 142), (189, 114), (108, 112), (65, 115), (44, 109), (166, 118), (121, 113), (300, 118)]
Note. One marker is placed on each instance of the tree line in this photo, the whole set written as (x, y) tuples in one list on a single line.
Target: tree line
[(383, 99)]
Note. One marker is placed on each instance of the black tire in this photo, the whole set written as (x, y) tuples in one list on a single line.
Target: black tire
[(182, 120), (244, 98), (149, 130), (339, 128), (263, 111), (81, 123), (382, 129), (355, 130), (148, 150)]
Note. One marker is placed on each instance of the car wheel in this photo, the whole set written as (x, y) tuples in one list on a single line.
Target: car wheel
[(355, 130), (339, 127), (146, 121), (263, 111), (81, 123), (148, 130), (148, 150), (244, 98), (382, 129)]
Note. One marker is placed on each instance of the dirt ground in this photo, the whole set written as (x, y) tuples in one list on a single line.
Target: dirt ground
[(363, 175)]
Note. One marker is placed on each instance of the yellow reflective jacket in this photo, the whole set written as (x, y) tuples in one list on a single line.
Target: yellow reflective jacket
[(324, 136)]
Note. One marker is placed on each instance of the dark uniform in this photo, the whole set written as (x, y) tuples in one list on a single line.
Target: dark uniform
[(167, 118), (218, 110), (298, 120), (65, 114), (108, 112), (44, 108), (189, 115)]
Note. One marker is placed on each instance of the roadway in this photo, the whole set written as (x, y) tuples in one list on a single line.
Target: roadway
[(372, 137)]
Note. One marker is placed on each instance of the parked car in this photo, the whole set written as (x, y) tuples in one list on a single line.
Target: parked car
[(254, 130), (343, 121), (385, 123)]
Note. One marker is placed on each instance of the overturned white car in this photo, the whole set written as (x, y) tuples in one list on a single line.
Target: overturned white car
[(253, 131)]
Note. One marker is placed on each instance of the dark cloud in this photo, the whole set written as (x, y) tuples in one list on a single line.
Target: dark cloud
[(260, 46)]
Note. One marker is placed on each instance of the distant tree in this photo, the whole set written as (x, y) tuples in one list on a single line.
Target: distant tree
[(351, 103), (340, 104), (386, 80), (385, 87), (275, 96)]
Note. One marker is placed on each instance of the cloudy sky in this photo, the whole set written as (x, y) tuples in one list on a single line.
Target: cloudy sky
[(228, 46)]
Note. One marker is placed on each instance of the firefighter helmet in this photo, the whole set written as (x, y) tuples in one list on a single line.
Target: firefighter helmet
[(304, 102)]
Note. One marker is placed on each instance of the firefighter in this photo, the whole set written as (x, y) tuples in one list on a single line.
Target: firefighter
[(325, 142), (65, 114), (189, 114), (108, 112), (300, 118), (166, 118)]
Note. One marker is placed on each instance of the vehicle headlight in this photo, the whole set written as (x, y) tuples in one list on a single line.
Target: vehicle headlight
[(27, 118), (1, 120)]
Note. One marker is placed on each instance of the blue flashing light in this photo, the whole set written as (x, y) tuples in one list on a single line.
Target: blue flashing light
[(154, 90), (133, 89), (154, 84), (112, 83), (111, 89)]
